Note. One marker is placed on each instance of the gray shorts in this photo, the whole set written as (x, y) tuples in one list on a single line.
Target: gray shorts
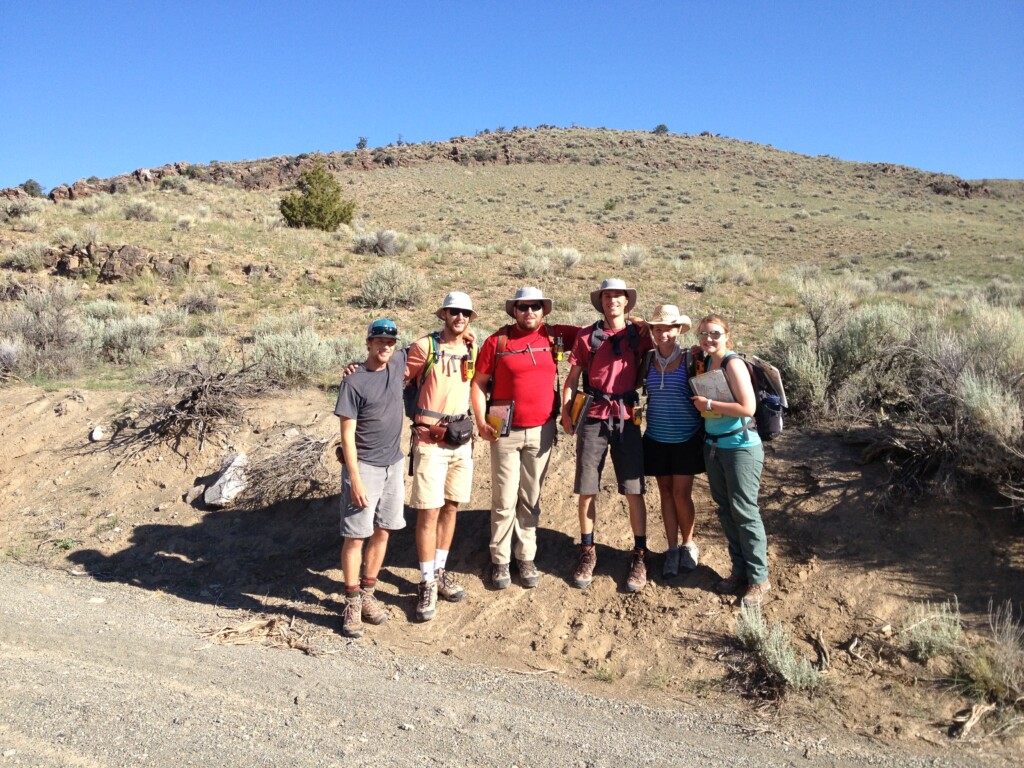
[(386, 488), (593, 439)]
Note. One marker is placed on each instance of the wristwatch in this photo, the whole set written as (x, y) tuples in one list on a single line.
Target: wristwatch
[(708, 406)]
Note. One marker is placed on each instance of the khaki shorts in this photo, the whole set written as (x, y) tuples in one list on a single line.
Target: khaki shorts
[(440, 473), (385, 486)]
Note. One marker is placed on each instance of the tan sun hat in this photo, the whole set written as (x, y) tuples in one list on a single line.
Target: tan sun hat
[(613, 284), (668, 314), (457, 300), (527, 294)]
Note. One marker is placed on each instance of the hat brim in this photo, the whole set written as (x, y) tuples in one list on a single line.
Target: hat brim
[(595, 298), (682, 322), (510, 305)]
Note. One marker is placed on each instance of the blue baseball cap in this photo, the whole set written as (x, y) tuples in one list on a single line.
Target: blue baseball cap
[(382, 328)]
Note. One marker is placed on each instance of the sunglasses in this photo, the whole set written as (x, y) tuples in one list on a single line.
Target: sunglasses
[(384, 331), (529, 307), (713, 335), (460, 312)]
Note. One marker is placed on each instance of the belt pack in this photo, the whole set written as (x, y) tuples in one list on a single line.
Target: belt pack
[(453, 431)]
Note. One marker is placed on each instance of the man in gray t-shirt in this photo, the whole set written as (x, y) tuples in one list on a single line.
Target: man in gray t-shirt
[(372, 482)]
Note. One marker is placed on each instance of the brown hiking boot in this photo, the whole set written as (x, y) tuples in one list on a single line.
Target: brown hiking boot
[(755, 594), (500, 576), (373, 611), (447, 587), (637, 578), (352, 616), (731, 585), (426, 601), (584, 573), (528, 573)]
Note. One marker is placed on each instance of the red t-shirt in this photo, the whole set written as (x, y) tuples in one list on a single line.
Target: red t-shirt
[(527, 375), (608, 372)]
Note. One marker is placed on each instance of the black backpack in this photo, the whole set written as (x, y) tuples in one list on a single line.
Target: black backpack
[(769, 394)]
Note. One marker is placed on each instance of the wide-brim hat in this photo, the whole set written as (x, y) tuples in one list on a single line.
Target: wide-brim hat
[(668, 314), (613, 284), (456, 300), (528, 293)]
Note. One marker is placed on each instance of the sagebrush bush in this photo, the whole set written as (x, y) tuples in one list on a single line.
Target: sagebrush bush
[(125, 340), (293, 358), (533, 266), (174, 184), (91, 233), (569, 258), (10, 358), (633, 255), (383, 242), (774, 652), (20, 207), (27, 257), (141, 210), (318, 203), (104, 309), (995, 671), (932, 630), (391, 285), (90, 206), (64, 236), (200, 300), (47, 327)]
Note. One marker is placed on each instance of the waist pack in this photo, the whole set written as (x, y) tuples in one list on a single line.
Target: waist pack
[(453, 431)]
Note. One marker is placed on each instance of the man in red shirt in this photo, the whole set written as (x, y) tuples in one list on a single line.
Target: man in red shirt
[(608, 355), (519, 362)]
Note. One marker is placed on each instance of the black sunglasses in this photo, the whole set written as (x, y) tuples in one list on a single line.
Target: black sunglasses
[(462, 312), (385, 331), (529, 307)]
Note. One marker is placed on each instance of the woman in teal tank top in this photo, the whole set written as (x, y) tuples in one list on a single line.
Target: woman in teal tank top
[(734, 458)]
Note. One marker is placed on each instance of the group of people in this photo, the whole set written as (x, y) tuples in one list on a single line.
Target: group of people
[(507, 390)]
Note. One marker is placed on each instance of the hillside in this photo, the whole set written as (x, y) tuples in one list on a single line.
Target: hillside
[(170, 265)]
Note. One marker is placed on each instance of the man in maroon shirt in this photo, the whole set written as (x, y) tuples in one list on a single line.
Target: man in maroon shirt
[(608, 355), (519, 362)]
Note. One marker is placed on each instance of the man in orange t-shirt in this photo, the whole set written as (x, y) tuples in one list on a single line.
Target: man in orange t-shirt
[(442, 450)]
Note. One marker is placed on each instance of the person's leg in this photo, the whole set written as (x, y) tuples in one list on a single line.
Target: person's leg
[(351, 562), (720, 495), (682, 496), (505, 474), (373, 557), (591, 451), (666, 492), (533, 468), (427, 498), (742, 468)]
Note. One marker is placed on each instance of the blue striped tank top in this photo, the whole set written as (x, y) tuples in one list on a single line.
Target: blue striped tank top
[(671, 417)]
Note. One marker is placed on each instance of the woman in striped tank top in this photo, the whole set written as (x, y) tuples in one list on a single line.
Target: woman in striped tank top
[(674, 440)]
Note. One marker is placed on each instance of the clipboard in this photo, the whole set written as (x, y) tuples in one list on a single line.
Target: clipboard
[(713, 385), (580, 405), (499, 415)]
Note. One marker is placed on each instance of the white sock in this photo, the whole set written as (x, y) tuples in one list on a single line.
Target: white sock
[(440, 558), (427, 570), (692, 546)]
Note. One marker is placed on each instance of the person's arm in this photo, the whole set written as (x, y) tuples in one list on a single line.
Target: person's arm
[(348, 446), (478, 396), (568, 390), (739, 382)]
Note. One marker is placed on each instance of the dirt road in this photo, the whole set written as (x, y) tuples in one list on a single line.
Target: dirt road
[(106, 674)]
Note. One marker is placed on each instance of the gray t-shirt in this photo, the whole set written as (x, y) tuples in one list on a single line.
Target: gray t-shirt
[(374, 400)]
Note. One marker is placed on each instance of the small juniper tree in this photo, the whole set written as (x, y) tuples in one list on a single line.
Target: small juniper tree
[(660, 129), (33, 188), (361, 144), (318, 202)]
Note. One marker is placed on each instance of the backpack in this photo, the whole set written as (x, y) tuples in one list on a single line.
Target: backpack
[(411, 393), (769, 394), (694, 366)]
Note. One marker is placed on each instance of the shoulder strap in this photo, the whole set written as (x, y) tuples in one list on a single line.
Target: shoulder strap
[(503, 338), (645, 367)]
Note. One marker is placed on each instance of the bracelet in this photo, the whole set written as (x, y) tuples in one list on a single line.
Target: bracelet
[(708, 407)]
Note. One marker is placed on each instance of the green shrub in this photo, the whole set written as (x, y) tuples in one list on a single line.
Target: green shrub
[(48, 330), (391, 285), (141, 210), (773, 651), (174, 184), (633, 255), (27, 257), (294, 358), (11, 352), (383, 242), (33, 188), (104, 309), (125, 340), (932, 631), (570, 257), (995, 671), (533, 266), (660, 129), (318, 203), (200, 300), (64, 236), (19, 208)]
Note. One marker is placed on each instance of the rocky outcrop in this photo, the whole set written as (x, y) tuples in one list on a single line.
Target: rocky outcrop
[(114, 263)]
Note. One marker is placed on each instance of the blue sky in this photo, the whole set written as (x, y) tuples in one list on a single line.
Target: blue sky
[(100, 88)]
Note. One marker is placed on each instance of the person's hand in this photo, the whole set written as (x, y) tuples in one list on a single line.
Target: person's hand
[(700, 402), (360, 498), (487, 432), (567, 422), (350, 369)]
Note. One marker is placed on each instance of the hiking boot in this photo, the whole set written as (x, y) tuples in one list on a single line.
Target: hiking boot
[(426, 601), (689, 556), (373, 611), (528, 573), (584, 573), (637, 578), (352, 617), (755, 594), (500, 577), (448, 587), (731, 585), (671, 566)]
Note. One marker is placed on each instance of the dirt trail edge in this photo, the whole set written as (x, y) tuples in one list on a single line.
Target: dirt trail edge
[(104, 674)]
